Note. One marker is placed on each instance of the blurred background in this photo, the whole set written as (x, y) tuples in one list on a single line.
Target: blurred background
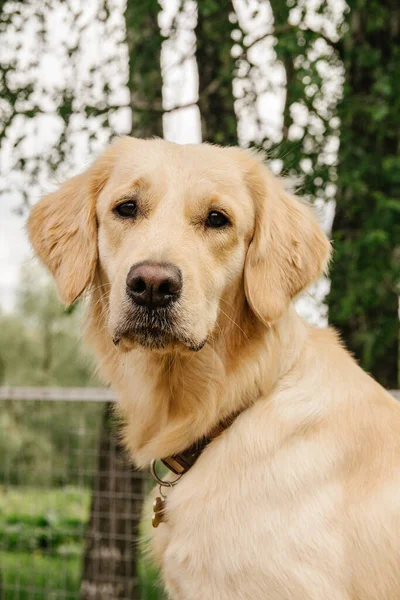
[(315, 84)]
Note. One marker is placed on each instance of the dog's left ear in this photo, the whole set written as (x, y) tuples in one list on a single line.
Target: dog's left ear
[(288, 251), (63, 231)]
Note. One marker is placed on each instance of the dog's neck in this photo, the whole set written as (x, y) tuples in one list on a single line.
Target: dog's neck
[(168, 401)]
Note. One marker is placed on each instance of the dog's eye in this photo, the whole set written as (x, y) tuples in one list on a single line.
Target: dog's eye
[(127, 210), (216, 219)]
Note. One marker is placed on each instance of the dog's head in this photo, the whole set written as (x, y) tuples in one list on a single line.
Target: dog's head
[(170, 229)]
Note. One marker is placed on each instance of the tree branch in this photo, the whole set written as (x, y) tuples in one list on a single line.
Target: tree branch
[(284, 29)]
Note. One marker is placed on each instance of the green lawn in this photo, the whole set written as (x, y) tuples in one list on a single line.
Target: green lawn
[(41, 545), (38, 576), (54, 503)]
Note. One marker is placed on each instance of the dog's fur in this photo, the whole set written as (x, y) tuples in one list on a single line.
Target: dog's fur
[(300, 498)]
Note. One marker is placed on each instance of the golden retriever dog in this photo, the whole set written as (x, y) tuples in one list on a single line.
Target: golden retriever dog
[(192, 256)]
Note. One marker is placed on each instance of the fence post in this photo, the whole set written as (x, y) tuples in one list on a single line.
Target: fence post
[(109, 569)]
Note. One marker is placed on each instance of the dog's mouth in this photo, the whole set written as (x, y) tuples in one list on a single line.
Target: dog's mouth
[(154, 330)]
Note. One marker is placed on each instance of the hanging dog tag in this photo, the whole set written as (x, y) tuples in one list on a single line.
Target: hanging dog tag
[(159, 502), (158, 511)]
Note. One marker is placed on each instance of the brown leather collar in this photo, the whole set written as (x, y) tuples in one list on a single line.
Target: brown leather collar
[(180, 463)]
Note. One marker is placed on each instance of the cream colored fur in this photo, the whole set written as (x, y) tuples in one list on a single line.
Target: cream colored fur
[(300, 498)]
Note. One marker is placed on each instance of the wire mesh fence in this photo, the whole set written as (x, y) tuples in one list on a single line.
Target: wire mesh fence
[(70, 501)]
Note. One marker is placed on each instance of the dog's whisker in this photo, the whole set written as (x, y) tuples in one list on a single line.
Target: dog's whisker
[(227, 303), (230, 319), (99, 300), (101, 286)]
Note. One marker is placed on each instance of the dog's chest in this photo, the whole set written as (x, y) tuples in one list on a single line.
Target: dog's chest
[(232, 532)]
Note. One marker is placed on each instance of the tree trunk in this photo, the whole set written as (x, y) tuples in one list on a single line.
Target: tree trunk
[(117, 494), (110, 559), (286, 50), (144, 41), (216, 68)]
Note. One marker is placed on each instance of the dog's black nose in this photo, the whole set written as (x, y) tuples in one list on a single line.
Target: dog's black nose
[(154, 284)]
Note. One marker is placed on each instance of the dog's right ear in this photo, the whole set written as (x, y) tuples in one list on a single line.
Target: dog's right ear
[(288, 250), (63, 230)]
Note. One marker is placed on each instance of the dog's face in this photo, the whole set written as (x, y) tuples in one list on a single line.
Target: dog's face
[(174, 232), (174, 224)]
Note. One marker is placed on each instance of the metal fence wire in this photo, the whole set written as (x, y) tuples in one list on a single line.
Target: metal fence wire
[(70, 501)]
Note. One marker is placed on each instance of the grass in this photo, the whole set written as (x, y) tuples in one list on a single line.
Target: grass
[(57, 504), (38, 576), (41, 545), (33, 519)]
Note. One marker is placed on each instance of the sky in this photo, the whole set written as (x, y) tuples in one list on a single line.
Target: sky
[(181, 126)]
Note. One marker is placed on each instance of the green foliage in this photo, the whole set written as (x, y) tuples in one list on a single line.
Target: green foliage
[(310, 129), (39, 345), (360, 57), (41, 539), (49, 443), (363, 302), (39, 341), (54, 577), (31, 521), (45, 574), (41, 543)]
